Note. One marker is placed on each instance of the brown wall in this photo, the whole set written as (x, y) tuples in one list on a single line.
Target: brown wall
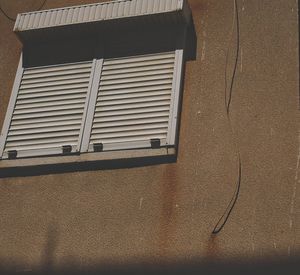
[(167, 212)]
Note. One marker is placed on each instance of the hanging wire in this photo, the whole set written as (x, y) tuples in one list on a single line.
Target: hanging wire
[(222, 221), (227, 57), (6, 15), (42, 5), (236, 14), (14, 19)]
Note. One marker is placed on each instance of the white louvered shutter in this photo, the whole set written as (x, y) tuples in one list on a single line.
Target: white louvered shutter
[(49, 110), (134, 102)]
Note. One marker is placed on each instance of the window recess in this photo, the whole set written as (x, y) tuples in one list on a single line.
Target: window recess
[(113, 84)]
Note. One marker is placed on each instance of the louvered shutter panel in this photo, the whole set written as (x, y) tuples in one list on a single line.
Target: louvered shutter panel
[(134, 101), (49, 109)]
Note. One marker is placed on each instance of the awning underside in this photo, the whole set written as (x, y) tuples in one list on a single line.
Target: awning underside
[(101, 16)]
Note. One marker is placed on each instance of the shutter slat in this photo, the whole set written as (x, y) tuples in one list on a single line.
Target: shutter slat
[(55, 78), (137, 90), (122, 102), (127, 139), (49, 108), (53, 88), (131, 117), (50, 145), (46, 125), (128, 128), (34, 144), (156, 72), (138, 64), (47, 129), (58, 98), (116, 72), (130, 122), (111, 113), (131, 133), (136, 79), (60, 92), (53, 119), (134, 97), (133, 106), (40, 110), (142, 58), (55, 83), (167, 80), (49, 104), (39, 136), (50, 114), (56, 73), (57, 68)]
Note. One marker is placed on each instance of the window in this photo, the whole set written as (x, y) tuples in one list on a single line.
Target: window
[(100, 105), (47, 110), (117, 100), (135, 102)]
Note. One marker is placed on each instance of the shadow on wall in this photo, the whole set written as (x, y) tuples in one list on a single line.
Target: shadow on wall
[(260, 267), (211, 264), (84, 166), (48, 256), (136, 41)]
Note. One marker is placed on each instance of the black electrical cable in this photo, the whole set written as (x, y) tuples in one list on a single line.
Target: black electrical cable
[(227, 58), (14, 19), (237, 54), (42, 5), (6, 15), (222, 221)]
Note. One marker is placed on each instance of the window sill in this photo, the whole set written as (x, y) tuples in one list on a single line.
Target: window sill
[(86, 162)]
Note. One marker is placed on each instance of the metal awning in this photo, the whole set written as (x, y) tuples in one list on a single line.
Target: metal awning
[(95, 16)]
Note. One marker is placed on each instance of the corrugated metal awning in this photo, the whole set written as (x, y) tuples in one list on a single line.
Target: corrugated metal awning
[(93, 14)]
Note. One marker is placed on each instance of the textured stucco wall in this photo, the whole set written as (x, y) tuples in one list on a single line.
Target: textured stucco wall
[(168, 211)]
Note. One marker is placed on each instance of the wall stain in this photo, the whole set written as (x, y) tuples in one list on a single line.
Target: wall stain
[(48, 257), (196, 5), (212, 250), (168, 216)]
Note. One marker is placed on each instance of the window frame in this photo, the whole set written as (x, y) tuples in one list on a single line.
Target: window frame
[(83, 145), (11, 105), (55, 151)]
